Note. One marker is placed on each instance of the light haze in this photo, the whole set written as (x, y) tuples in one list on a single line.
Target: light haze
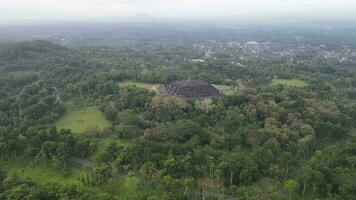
[(32, 10)]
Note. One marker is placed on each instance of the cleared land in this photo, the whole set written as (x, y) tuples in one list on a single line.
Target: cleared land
[(23, 74), (41, 174), (44, 175), (289, 82), (106, 141), (226, 89), (151, 87), (81, 119)]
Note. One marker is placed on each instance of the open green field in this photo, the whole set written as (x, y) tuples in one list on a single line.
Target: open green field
[(226, 89), (289, 82), (79, 120), (107, 140), (151, 87), (42, 175)]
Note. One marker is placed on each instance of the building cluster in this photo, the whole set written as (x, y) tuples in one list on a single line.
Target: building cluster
[(273, 51)]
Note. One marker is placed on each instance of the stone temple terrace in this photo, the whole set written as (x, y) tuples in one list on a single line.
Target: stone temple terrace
[(190, 89)]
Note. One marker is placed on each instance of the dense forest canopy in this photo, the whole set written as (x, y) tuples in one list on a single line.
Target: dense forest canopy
[(91, 114)]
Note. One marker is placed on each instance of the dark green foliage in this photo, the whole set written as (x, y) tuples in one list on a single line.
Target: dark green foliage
[(301, 139), (180, 132), (18, 189)]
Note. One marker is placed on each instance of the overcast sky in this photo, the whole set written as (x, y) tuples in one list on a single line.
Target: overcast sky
[(20, 10)]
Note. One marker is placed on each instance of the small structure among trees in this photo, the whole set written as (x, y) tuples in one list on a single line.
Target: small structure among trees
[(190, 89)]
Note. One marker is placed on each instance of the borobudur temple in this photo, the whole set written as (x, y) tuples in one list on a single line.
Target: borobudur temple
[(191, 89)]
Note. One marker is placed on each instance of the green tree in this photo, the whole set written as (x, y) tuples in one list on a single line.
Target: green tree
[(292, 187)]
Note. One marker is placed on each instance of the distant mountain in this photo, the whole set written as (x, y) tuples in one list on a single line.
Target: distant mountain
[(139, 18), (144, 16)]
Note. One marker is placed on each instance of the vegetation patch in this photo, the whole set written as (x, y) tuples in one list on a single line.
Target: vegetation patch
[(150, 87), (226, 89), (129, 187), (106, 141), (80, 120), (273, 142), (23, 74), (42, 175), (289, 82), (72, 176)]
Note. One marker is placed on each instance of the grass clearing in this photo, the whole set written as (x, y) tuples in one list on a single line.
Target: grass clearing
[(212, 190), (226, 89), (150, 87), (289, 82), (129, 186), (106, 141), (79, 120), (121, 142), (42, 175), (23, 74), (131, 182)]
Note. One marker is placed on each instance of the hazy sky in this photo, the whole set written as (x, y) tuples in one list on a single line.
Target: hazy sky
[(19, 10)]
